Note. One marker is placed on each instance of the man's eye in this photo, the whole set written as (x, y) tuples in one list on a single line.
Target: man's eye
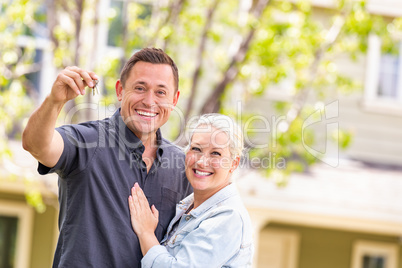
[(161, 92), (139, 88)]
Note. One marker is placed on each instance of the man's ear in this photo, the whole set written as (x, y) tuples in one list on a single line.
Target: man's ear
[(119, 90), (176, 97)]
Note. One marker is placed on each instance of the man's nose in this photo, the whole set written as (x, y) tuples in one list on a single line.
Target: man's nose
[(149, 98)]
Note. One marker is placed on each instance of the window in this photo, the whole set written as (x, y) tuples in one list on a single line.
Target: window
[(383, 85), (8, 233), (42, 72), (368, 254), (16, 222)]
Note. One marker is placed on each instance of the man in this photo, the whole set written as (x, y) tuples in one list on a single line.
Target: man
[(98, 162)]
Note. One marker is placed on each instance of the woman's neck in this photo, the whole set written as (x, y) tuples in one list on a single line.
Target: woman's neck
[(202, 196)]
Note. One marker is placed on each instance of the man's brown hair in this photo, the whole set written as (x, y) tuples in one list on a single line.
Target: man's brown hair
[(151, 55)]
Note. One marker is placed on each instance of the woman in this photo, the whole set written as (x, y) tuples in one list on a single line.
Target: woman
[(212, 227)]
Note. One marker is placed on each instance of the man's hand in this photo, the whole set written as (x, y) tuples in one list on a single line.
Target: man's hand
[(40, 137), (70, 83), (143, 218)]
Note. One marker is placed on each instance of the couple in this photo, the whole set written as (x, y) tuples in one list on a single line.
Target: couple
[(98, 162)]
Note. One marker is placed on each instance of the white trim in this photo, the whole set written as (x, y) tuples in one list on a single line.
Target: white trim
[(372, 102), (373, 61), (399, 85), (264, 215), (284, 245), (24, 213), (388, 250)]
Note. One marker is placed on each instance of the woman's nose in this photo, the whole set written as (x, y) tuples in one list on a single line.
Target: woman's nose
[(203, 161)]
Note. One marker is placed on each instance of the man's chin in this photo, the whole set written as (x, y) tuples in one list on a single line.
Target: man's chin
[(143, 128)]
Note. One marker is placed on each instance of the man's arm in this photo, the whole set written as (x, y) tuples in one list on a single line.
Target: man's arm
[(40, 137)]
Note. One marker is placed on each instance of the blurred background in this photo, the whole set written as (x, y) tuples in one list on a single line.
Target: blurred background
[(316, 86)]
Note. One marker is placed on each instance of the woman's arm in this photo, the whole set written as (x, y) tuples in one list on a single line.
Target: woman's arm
[(215, 241), (143, 219)]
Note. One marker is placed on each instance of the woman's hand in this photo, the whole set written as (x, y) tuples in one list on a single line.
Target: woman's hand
[(143, 218)]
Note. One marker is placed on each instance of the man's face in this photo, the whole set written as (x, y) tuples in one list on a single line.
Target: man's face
[(148, 97)]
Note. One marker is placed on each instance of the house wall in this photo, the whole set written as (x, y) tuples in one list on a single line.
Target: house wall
[(41, 233), (327, 248), (44, 238), (376, 130)]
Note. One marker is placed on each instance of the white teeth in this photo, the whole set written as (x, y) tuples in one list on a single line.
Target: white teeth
[(202, 173), (146, 114)]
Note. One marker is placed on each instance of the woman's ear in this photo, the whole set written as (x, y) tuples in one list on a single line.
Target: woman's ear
[(235, 164)]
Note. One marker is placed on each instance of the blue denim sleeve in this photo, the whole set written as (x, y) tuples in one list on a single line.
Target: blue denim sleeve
[(215, 241), (152, 254)]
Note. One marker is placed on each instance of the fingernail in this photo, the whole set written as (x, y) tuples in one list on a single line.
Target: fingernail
[(91, 84), (136, 184)]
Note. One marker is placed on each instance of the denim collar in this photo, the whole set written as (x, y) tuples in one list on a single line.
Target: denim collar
[(218, 197)]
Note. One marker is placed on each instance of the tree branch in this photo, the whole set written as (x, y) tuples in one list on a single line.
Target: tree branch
[(199, 61), (301, 97), (212, 103)]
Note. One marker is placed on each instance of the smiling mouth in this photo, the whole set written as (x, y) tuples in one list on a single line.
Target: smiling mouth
[(202, 173), (146, 114)]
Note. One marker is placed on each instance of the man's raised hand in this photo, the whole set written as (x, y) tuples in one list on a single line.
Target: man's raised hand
[(71, 82)]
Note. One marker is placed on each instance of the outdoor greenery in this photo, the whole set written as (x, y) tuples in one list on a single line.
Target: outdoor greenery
[(226, 51)]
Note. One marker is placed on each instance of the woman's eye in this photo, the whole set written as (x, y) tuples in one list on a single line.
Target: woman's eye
[(216, 153), (196, 149)]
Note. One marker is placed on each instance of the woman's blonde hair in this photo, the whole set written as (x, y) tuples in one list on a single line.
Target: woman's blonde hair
[(222, 123)]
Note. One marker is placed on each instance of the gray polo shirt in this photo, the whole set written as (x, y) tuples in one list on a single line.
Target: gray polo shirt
[(100, 163)]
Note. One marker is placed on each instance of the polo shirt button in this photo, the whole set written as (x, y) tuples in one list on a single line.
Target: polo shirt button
[(188, 218)]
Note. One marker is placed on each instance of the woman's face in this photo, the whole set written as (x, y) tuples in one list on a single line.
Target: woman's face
[(208, 162)]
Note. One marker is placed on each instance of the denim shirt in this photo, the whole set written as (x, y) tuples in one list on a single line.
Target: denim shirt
[(218, 233)]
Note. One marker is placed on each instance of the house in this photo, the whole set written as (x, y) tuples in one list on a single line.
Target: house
[(28, 237), (346, 211)]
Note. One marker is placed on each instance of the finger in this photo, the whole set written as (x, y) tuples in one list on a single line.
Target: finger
[(93, 75), (77, 79), (136, 202), (86, 76), (131, 206), (138, 196), (155, 212), (67, 80), (141, 195)]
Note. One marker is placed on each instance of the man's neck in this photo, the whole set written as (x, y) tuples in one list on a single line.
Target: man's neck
[(150, 143), (149, 140)]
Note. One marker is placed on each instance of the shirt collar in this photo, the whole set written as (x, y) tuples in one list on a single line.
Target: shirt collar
[(131, 141), (218, 197)]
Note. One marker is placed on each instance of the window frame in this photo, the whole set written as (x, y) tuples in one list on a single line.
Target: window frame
[(372, 102), (25, 215), (364, 247)]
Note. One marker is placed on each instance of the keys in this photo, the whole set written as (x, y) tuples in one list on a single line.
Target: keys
[(95, 89)]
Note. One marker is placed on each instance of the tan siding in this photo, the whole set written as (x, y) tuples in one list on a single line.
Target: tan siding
[(327, 248)]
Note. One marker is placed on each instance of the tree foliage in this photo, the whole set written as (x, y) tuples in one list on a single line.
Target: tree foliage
[(227, 51)]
